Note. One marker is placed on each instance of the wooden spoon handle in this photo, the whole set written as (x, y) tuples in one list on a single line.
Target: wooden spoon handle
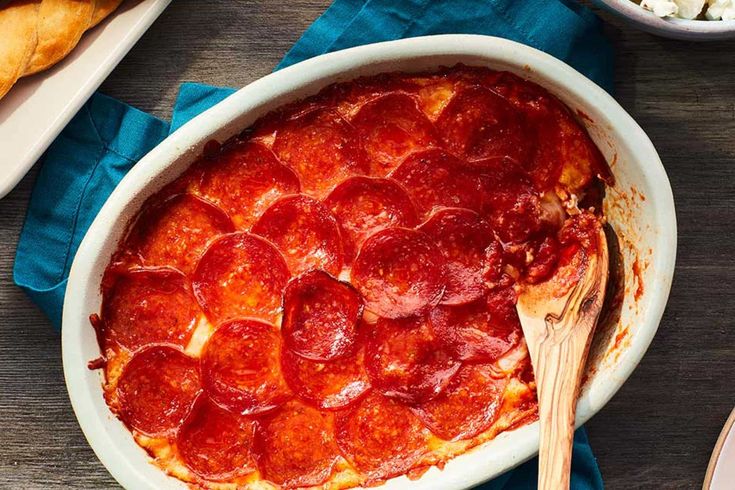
[(558, 371)]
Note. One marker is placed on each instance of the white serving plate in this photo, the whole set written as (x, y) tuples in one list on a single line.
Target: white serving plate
[(37, 108), (646, 226), (721, 470)]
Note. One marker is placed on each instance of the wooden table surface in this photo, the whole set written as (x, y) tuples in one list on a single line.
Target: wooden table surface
[(657, 432)]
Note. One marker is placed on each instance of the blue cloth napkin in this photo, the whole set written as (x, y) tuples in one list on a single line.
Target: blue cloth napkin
[(106, 138)]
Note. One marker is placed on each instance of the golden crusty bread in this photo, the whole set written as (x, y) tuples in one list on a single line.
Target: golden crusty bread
[(18, 21), (61, 24), (102, 9)]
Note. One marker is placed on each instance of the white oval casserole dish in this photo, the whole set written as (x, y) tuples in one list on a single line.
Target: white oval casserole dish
[(639, 207)]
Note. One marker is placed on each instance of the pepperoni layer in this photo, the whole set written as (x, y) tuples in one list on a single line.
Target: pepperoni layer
[(305, 232), (216, 444), (478, 124), (295, 446), (439, 194), (435, 179), (240, 275), (319, 145), (399, 272), (320, 316), (150, 306), (406, 360), (157, 388), (392, 126), (329, 385), (176, 231), (463, 239), (240, 367), (364, 205), (244, 180), (381, 437), (479, 331), (468, 406)]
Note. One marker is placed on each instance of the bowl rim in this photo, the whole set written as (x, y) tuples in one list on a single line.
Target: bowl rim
[(675, 27), (476, 467)]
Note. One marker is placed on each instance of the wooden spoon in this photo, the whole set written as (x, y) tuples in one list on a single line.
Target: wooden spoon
[(558, 317)]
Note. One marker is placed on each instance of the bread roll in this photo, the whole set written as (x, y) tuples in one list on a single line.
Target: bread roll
[(61, 24), (18, 21), (102, 9)]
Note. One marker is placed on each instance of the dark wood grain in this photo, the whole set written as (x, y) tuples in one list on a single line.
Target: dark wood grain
[(657, 432)]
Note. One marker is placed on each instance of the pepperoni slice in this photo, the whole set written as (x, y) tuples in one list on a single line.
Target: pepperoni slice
[(381, 437), (479, 331), (399, 272), (157, 388), (319, 145), (541, 111), (478, 124), (295, 446), (175, 231), (320, 316), (348, 98), (392, 126), (564, 152), (364, 206), (514, 211), (511, 204), (240, 367), (462, 238), (245, 179), (305, 232), (147, 306), (406, 360), (240, 275), (328, 385), (434, 179), (468, 406), (216, 444)]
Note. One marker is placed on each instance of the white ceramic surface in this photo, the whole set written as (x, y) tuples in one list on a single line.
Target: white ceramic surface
[(675, 28), (721, 471), (37, 108), (724, 474), (647, 226)]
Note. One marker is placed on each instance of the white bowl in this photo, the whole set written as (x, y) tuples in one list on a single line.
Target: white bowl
[(675, 28), (640, 207)]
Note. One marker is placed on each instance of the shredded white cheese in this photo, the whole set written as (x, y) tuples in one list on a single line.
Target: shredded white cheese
[(721, 10), (661, 8), (691, 9)]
